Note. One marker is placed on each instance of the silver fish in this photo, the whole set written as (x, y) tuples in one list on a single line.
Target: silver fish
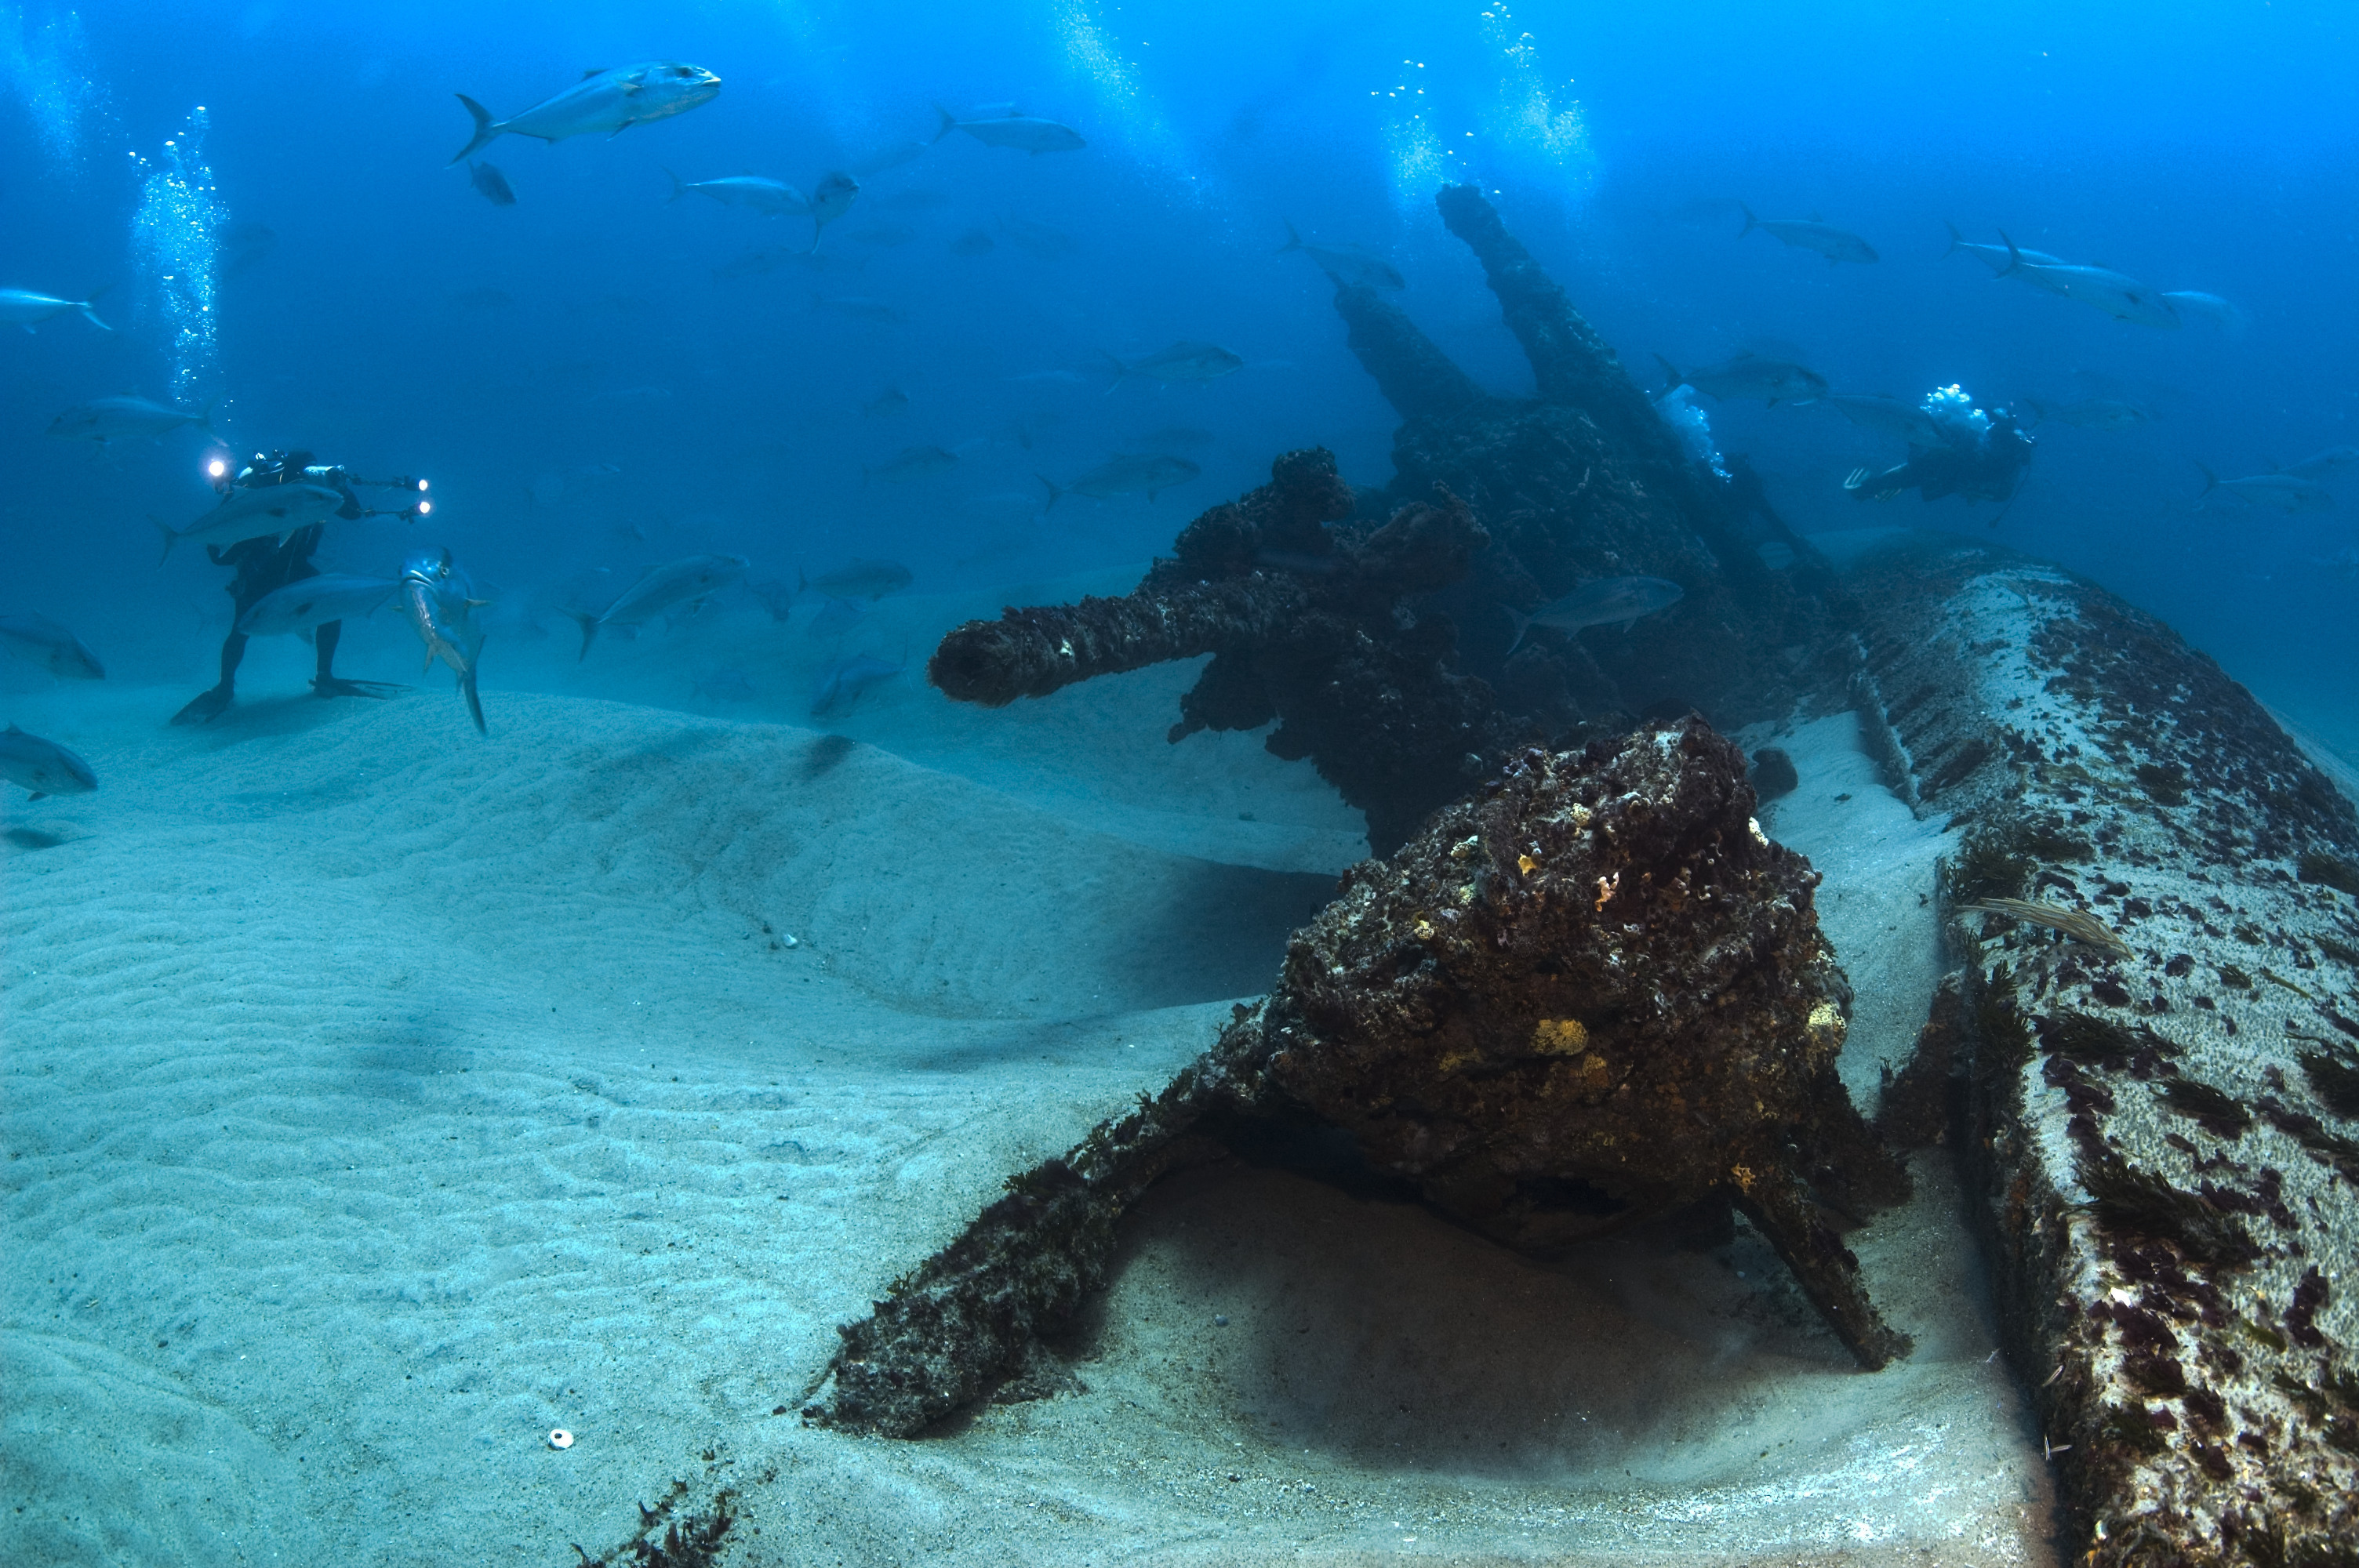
[(861, 579), (2118, 295), (250, 513), (1599, 604), (842, 681), (2283, 492), (2326, 465), (298, 607), (892, 156), (831, 198), (609, 101), (774, 197), (1123, 474), (42, 766), (673, 583), (1752, 376), (490, 184), (442, 608), (104, 419), (1994, 256), (38, 640), (1346, 263), (911, 462), (2193, 302), (1181, 362), (1810, 234), (2093, 414), (28, 309), (1025, 133), (1889, 414)]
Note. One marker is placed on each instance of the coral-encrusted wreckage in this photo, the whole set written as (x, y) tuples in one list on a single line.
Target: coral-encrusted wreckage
[(1583, 988), (1592, 991)]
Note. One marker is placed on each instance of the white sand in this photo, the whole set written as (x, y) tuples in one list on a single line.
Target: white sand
[(379, 1096)]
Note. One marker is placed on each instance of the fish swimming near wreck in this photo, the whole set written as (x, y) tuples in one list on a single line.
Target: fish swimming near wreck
[(1810, 234), (1605, 602), (490, 184), (43, 767), (1749, 374), (1025, 133), (663, 588), (38, 640), (1996, 257), (831, 198), (1347, 264), (441, 607), (2116, 294), (2279, 491), (1181, 362), (298, 607), (104, 419), (609, 101), (1126, 474), (842, 681)]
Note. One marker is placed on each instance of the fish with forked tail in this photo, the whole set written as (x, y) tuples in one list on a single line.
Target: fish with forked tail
[(442, 606), (674, 583), (609, 101), (42, 766)]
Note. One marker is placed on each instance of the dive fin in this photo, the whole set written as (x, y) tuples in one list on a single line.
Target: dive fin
[(485, 130)]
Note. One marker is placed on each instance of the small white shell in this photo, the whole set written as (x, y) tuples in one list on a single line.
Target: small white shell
[(560, 1438)]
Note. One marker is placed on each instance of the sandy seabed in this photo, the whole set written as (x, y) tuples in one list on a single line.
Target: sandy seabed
[(380, 1096)]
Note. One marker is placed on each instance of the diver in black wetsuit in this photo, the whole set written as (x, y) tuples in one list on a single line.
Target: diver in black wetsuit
[(266, 563), (1981, 458)]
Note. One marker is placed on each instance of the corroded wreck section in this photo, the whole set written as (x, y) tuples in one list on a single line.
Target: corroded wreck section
[(2164, 1125), (1591, 992)]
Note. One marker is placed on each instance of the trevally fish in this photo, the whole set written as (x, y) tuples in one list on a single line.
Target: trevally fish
[(28, 309), (910, 462), (1599, 604), (831, 198), (1125, 474), (609, 101), (2326, 465), (250, 513), (663, 587), (842, 681), (1994, 256), (836, 617), (2092, 414), (2118, 295), (1346, 263), (296, 608), (1751, 375), (1810, 234), (1023, 131), (2285, 492), (42, 766), (490, 183), (104, 419), (1181, 362), (1889, 415), (775, 597), (2222, 313), (442, 606), (774, 197), (38, 640), (861, 579)]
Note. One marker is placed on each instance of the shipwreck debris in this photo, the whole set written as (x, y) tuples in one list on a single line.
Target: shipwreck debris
[(1591, 993)]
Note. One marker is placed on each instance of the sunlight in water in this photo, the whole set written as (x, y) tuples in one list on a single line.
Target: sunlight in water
[(1531, 120), (176, 233)]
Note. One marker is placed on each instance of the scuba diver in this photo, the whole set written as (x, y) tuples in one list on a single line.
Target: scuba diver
[(268, 562), (1981, 458)]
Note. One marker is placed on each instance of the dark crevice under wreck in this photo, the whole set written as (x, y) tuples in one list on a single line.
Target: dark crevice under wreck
[(1581, 986)]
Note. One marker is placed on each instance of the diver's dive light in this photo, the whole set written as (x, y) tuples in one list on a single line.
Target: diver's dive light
[(216, 468), (423, 507)]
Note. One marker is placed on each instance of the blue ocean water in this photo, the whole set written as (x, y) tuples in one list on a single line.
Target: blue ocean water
[(264, 192), (260, 202)]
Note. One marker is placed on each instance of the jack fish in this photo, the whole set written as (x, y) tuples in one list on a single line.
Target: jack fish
[(687, 581), (43, 767), (295, 609), (2121, 297), (2283, 492), (1347, 264), (1023, 131), (104, 419), (1810, 234), (436, 594), (250, 513), (1889, 415), (1599, 604), (1181, 362), (610, 101), (843, 682), (38, 640), (490, 184), (775, 197), (28, 310), (1125, 474), (1751, 375)]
